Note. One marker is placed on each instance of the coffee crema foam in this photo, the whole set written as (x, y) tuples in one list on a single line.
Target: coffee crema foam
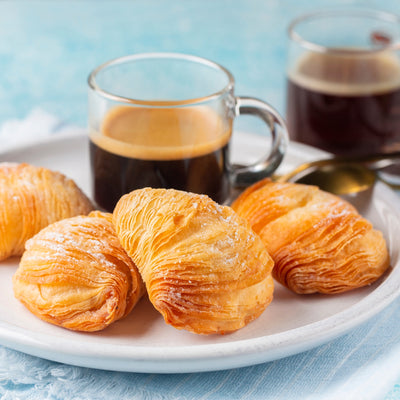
[(347, 74), (162, 133)]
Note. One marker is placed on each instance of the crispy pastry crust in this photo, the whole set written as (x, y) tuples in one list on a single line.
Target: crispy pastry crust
[(75, 274), (204, 268), (32, 198), (318, 241)]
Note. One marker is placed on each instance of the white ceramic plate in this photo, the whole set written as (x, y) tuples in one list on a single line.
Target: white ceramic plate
[(142, 342)]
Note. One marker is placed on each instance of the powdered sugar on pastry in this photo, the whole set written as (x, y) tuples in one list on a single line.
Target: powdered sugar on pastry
[(32, 198), (75, 274), (205, 270), (319, 242)]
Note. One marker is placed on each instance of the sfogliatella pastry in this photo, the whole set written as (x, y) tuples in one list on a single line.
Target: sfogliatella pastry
[(318, 241), (75, 274), (205, 270), (32, 198)]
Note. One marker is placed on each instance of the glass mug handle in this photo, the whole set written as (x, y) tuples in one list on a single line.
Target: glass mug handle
[(242, 176)]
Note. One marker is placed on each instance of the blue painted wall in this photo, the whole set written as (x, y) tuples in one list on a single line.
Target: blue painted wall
[(47, 48)]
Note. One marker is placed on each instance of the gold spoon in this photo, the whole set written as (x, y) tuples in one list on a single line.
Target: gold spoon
[(342, 175)]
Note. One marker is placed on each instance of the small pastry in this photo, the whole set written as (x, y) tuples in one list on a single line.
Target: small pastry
[(318, 241), (205, 270), (75, 274), (32, 198)]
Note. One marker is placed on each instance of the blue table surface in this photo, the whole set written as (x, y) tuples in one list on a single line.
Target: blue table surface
[(48, 48)]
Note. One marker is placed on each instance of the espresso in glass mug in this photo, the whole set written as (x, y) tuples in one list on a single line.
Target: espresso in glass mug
[(343, 90), (165, 120)]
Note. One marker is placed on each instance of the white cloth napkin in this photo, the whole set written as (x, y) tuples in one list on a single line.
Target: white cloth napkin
[(36, 127), (362, 365)]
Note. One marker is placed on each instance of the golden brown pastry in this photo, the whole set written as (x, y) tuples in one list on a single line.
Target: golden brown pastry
[(205, 270), (318, 241), (75, 274), (32, 198)]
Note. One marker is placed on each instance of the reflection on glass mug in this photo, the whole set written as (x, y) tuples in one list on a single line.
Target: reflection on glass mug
[(165, 120), (343, 92)]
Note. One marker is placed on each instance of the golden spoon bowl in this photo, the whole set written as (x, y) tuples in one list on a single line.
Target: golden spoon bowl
[(341, 175)]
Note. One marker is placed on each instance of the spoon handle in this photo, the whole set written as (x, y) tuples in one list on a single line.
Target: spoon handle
[(371, 161)]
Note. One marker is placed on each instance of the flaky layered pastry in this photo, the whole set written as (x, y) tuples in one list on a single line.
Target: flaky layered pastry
[(32, 198), (75, 274), (205, 270), (318, 241)]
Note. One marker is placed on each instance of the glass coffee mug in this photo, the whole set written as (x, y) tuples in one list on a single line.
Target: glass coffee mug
[(343, 91), (164, 120)]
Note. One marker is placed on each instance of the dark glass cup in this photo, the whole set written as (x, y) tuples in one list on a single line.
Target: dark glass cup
[(343, 81), (165, 120)]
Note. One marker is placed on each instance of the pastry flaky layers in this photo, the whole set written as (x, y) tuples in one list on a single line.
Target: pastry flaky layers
[(205, 270), (318, 241), (75, 274), (32, 198)]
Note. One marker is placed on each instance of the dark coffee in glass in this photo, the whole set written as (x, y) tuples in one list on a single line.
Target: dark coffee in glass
[(343, 82), (344, 103), (164, 120), (181, 148)]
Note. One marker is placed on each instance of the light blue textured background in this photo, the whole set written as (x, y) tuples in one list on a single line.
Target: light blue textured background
[(48, 48)]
